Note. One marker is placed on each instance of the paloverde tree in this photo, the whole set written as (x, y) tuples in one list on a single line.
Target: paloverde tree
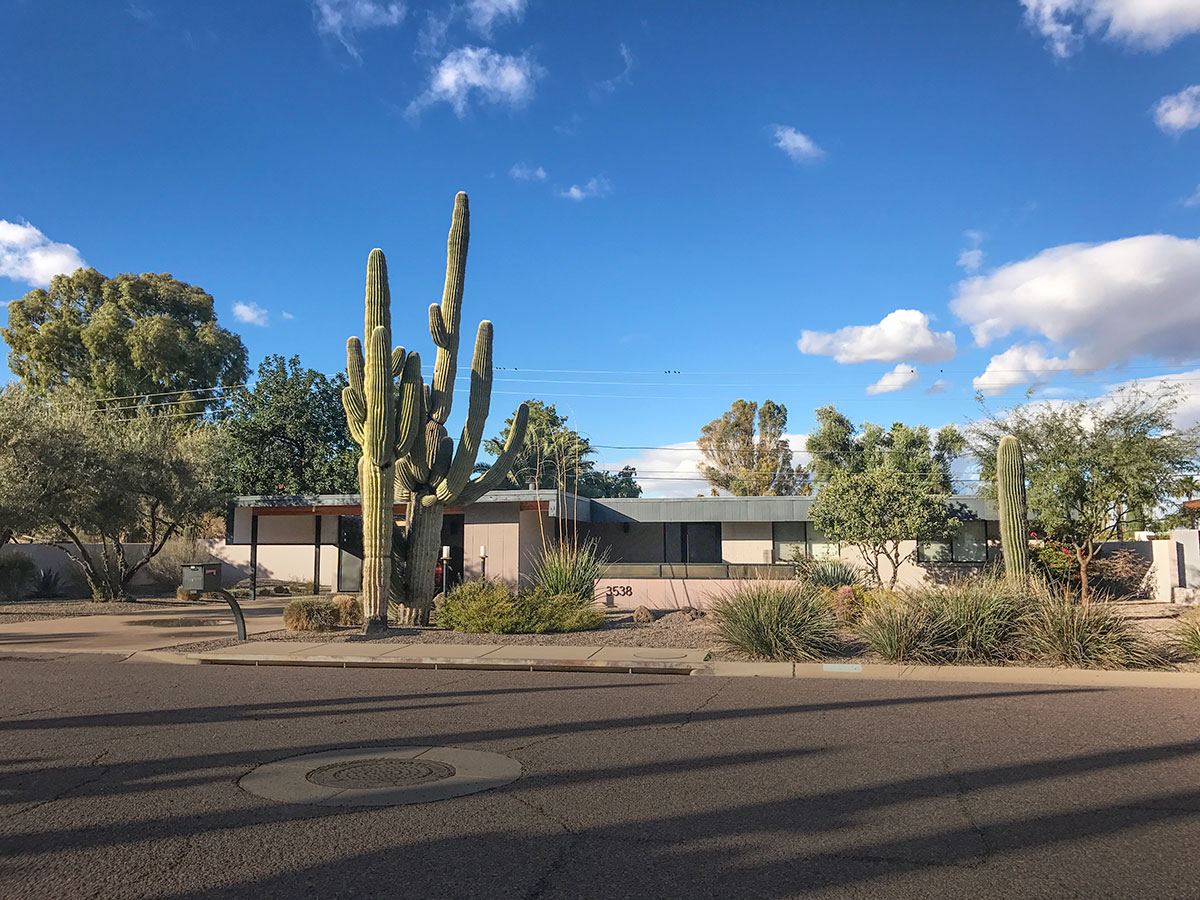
[(402, 432), (556, 457), (837, 446), (99, 481), (288, 435), (125, 337), (879, 509), (1089, 461), (747, 453)]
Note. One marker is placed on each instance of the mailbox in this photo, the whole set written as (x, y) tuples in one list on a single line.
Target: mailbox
[(202, 577)]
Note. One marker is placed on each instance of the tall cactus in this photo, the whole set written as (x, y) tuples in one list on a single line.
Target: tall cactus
[(1010, 490), (423, 464)]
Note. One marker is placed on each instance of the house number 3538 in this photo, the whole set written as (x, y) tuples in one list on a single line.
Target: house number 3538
[(621, 590)]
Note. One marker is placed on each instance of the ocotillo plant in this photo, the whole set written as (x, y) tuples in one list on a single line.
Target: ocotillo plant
[(1010, 491), (429, 472), (385, 426)]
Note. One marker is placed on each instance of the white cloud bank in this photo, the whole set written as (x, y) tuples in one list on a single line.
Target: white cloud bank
[(342, 20), (903, 334), (524, 172), (28, 255), (1019, 366), (595, 187), (898, 379), (1177, 113), (483, 14), (1142, 24), (1109, 303), (250, 314), (797, 145), (482, 73)]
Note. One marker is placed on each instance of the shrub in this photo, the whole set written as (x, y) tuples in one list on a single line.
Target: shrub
[(47, 584), (488, 606), (1095, 636), (312, 614), (831, 573), (16, 572), (570, 569), (1189, 637), (1122, 573), (183, 595), (349, 609), (906, 632), (782, 620)]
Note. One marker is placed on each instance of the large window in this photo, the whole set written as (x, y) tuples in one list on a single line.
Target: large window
[(790, 540), (969, 545), (819, 546)]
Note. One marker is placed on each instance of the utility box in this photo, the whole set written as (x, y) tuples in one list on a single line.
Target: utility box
[(202, 577)]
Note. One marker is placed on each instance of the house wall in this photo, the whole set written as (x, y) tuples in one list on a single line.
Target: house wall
[(746, 542), (494, 527), (58, 558), (534, 527)]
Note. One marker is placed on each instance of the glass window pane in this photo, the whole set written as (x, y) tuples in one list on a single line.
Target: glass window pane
[(789, 540), (934, 551), (819, 546), (970, 543)]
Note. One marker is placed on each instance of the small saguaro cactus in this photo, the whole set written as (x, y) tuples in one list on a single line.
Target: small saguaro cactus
[(1010, 491), (401, 430), (384, 423)]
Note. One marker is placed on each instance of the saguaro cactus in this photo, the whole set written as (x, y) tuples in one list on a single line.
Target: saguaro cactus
[(435, 473), (1010, 490), (403, 436), (384, 425)]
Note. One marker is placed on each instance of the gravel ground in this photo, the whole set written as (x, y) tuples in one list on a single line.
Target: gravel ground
[(37, 610)]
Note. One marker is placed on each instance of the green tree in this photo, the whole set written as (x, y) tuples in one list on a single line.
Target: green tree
[(556, 457), (877, 510), (746, 452), (837, 446), (98, 481), (1087, 462), (288, 434), (124, 337)]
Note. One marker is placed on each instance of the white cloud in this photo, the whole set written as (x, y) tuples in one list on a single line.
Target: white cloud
[(344, 19), (483, 14), (903, 334), (1137, 296), (524, 172), (898, 379), (1194, 199), (28, 255), (595, 187), (286, 315), (250, 313), (481, 72), (624, 77), (800, 147), (970, 258), (1187, 413), (1144, 24), (1018, 366), (938, 387), (1177, 113)]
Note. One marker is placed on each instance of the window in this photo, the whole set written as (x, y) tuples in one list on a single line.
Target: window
[(789, 539), (819, 546), (969, 545)]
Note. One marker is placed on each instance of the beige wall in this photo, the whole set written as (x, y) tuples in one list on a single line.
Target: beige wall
[(276, 562), (491, 527), (746, 542)]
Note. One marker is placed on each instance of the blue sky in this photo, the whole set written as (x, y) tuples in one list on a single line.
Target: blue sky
[(883, 206)]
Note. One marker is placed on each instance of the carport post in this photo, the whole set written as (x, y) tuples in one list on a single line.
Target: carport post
[(317, 556), (253, 556)]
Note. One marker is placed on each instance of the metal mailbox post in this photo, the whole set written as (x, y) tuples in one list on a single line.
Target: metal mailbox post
[(205, 578)]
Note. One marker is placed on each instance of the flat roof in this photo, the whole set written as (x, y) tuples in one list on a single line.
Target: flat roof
[(622, 509)]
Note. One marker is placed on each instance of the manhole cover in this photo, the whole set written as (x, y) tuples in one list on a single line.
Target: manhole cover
[(380, 773), (377, 776), (183, 623)]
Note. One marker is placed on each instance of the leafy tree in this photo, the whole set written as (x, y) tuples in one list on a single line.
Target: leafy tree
[(98, 481), (876, 510), (122, 337), (555, 457), (1089, 461), (750, 461), (288, 435), (836, 446)]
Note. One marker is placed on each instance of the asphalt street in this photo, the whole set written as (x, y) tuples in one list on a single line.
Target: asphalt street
[(120, 780)]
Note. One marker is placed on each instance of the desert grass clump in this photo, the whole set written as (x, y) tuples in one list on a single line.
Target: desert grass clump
[(47, 584), (831, 573), (17, 571), (489, 606), (777, 620), (1095, 636), (570, 568), (183, 595), (350, 610), (1189, 637), (907, 631), (312, 614)]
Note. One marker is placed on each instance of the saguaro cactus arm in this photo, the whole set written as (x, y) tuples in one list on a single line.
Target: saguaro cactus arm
[(445, 331), (499, 470), (477, 412)]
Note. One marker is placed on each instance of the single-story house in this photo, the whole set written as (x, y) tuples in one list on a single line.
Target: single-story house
[(663, 552)]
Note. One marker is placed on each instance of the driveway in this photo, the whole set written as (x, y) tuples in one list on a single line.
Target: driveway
[(120, 781)]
